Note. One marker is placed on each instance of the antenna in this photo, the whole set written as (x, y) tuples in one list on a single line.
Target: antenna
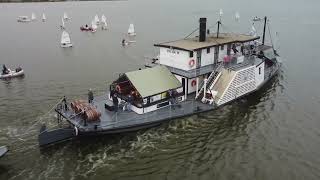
[(264, 30), (219, 22)]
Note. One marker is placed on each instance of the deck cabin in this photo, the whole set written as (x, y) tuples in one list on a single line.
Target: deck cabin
[(147, 90), (194, 60)]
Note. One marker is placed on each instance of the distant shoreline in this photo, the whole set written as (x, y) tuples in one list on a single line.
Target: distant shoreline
[(28, 1)]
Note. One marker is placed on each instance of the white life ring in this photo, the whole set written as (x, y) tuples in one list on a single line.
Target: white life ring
[(192, 62)]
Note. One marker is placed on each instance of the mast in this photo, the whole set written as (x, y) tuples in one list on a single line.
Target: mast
[(219, 22), (264, 30)]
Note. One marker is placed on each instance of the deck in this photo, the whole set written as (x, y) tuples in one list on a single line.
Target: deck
[(111, 120)]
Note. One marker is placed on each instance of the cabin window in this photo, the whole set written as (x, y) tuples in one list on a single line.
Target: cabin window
[(191, 54), (145, 101), (222, 48), (259, 70), (208, 50), (155, 98)]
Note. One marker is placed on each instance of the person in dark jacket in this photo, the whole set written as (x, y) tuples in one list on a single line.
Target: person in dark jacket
[(115, 102), (90, 96), (5, 70)]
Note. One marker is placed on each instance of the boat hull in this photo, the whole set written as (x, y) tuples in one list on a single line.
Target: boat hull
[(12, 74)]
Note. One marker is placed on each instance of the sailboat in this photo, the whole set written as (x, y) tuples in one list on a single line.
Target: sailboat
[(93, 26), (62, 25), (131, 31), (33, 17), (65, 40), (104, 22), (44, 17), (237, 17), (65, 16), (96, 20)]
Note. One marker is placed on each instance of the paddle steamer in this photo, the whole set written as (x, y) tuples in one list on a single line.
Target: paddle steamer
[(190, 76)]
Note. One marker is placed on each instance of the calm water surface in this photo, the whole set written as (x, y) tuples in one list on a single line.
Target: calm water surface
[(272, 134)]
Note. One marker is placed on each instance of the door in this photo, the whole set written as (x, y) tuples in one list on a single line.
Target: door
[(184, 85), (199, 59)]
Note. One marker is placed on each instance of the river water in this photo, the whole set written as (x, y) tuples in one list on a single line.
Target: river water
[(272, 134)]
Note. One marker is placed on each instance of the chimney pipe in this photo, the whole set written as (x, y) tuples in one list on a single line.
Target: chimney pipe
[(202, 29)]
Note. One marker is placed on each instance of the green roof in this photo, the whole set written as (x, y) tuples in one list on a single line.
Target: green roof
[(152, 81)]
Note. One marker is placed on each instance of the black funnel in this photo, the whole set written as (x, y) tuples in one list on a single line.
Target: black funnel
[(202, 29)]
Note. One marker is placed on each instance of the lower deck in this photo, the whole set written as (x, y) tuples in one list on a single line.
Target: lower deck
[(111, 120)]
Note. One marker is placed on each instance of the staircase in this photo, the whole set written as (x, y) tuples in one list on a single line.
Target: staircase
[(210, 80)]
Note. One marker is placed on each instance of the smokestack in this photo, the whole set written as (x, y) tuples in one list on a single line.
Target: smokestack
[(202, 29)]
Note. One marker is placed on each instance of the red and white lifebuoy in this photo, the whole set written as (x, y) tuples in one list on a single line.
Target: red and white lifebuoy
[(192, 62), (193, 83), (118, 88)]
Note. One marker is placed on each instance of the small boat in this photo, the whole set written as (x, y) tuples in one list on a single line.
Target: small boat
[(104, 22), (23, 19), (65, 16), (96, 20), (33, 17), (44, 17), (256, 18), (131, 31), (62, 25), (85, 28), (3, 150), (65, 40), (237, 16), (18, 72), (93, 26)]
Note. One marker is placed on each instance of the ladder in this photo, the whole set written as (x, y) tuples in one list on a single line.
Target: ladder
[(210, 80)]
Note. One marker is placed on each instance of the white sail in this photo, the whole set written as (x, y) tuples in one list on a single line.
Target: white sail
[(253, 31), (65, 39), (94, 26), (65, 16), (220, 13), (131, 30), (96, 19), (62, 25), (33, 17), (237, 17), (44, 17), (103, 18)]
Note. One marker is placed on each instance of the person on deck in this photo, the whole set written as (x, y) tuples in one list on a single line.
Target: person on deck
[(5, 70), (90, 96)]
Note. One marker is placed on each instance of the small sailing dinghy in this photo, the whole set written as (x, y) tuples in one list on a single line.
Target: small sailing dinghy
[(104, 22), (44, 17), (33, 17), (62, 25), (237, 17), (3, 150), (65, 40), (23, 19), (93, 26), (131, 31), (8, 73), (96, 20), (65, 16)]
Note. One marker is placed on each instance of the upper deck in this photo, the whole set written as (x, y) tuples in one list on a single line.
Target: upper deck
[(193, 44)]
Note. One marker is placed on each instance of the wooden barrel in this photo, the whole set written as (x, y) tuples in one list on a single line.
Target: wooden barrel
[(92, 115), (76, 102)]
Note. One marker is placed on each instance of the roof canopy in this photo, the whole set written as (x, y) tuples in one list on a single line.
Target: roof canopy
[(192, 44), (152, 81)]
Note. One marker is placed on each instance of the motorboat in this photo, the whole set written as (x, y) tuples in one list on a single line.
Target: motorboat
[(65, 40), (18, 72), (23, 19), (85, 28), (3, 150)]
